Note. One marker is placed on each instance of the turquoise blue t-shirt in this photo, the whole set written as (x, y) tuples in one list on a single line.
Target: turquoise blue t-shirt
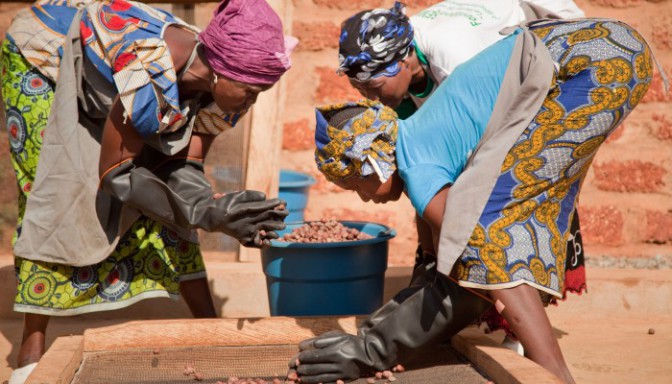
[(435, 143)]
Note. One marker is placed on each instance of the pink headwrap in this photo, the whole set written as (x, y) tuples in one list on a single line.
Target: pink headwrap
[(244, 42)]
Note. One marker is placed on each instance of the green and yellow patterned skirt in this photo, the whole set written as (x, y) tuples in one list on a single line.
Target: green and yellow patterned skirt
[(149, 260)]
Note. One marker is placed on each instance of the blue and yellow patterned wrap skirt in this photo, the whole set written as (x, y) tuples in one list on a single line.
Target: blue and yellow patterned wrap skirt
[(149, 260), (604, 70)]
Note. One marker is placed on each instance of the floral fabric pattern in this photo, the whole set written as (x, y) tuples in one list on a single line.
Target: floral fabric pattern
[(363, 145), (373, 42), (124, 41), (605, 68), (149, 260)]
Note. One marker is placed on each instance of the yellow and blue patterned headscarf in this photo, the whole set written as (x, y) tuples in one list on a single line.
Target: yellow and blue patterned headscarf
[(355, 139)]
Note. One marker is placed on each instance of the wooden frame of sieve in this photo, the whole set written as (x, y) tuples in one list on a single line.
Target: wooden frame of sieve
[(61, 361)]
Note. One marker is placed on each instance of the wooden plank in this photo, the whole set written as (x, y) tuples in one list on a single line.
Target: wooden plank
[(498, 363), (262, 170), (212, 332), (59, 364)]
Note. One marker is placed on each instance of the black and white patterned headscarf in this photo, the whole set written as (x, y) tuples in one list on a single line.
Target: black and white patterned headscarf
[(373, 42)]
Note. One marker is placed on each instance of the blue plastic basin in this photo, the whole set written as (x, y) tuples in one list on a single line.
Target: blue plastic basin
[(327, 279), (293, 188)]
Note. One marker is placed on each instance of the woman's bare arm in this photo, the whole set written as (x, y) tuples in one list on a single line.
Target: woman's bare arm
[(198, 147), (120, 140), (433, 214), (424, 235)]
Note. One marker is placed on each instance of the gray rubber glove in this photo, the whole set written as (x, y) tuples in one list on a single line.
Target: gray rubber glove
[(187, 179), (424, 273), (418, 317), (424, 269), (185, 200)]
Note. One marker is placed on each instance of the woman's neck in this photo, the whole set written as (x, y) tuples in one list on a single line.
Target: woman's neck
[(198, 77), (418, 74)]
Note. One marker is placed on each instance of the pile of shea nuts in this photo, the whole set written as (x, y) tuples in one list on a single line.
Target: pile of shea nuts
[(324, 231)]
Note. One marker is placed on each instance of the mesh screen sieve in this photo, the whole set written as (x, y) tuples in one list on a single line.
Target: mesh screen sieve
[(441, 365)]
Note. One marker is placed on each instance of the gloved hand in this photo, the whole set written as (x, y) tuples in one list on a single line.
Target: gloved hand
[(181, 197), (418, 317), (187, 179)]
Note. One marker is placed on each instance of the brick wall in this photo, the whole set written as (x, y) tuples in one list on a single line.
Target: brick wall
[(626, 203)]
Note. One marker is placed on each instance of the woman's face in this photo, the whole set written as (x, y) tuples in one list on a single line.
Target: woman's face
[(370, 188), (388, 90), (235, 97)]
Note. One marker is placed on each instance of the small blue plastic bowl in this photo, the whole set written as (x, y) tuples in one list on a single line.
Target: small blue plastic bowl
[(293, 188), (327, 279)]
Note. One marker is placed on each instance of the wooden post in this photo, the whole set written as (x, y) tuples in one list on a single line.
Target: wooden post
[(262, 168), (185, 12)]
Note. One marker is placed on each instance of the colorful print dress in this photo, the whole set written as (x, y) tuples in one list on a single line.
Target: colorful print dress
[(124, 41), (605, 68)]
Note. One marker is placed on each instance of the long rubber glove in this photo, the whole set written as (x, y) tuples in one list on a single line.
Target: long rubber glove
[(417, 318), (188, 202), (187, 179), (424, 273), (424, 269)]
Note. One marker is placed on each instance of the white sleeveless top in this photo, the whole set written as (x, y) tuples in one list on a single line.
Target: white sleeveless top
[(453, 31)]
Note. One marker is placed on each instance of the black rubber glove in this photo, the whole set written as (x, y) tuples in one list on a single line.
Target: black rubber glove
[(185, 200), (424, 273), (424, 269), (418, 317), (187, 179)]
